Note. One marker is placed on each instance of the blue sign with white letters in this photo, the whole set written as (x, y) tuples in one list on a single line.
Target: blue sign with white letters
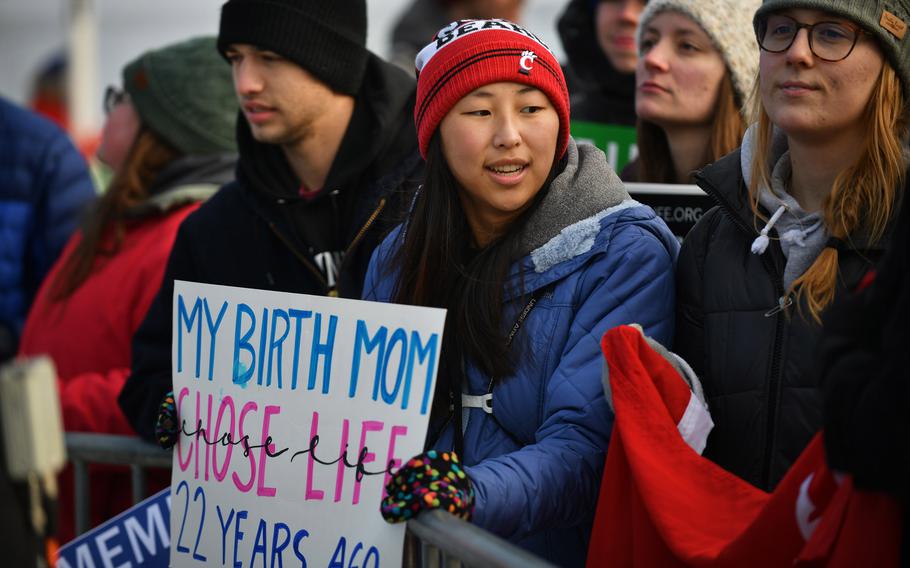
[(139, 536)]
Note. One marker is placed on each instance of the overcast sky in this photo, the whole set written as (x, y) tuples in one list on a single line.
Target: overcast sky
[(31, 31)]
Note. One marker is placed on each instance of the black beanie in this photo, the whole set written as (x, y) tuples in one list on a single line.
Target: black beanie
[(325, 37)]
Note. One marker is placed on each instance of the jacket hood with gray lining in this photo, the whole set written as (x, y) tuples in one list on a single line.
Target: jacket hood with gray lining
[(568, 217)]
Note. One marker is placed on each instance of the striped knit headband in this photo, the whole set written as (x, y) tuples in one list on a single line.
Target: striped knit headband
[(468, 54)]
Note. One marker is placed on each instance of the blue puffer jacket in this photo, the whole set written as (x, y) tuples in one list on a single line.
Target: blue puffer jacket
[(44, 185), (603, 260)]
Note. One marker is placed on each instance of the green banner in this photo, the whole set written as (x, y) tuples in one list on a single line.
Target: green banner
[(617, 142)]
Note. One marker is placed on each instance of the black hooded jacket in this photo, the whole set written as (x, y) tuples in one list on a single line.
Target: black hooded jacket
[(257, 232), (866, 382), (757, 362), (599, 93)]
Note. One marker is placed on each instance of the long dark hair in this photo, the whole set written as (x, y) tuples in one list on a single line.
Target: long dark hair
[(104, 227), (438, 265)]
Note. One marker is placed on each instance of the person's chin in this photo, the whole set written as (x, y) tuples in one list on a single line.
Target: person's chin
[(266, 135), (622, 61)]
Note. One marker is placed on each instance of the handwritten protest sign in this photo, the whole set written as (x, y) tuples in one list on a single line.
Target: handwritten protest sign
[(294, 409)]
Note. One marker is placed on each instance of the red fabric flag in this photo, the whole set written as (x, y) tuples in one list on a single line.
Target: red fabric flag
[(662, 504)]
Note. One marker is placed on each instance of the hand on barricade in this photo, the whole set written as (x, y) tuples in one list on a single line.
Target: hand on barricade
[(167, 426), (431, 480)]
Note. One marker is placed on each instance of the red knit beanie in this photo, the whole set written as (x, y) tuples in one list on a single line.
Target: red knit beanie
[(468, 54)]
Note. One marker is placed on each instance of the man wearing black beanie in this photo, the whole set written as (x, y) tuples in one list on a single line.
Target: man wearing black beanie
[(328, 157)]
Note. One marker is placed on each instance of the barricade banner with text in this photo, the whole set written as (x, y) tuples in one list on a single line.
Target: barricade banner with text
[(138, 536), (294, 410)]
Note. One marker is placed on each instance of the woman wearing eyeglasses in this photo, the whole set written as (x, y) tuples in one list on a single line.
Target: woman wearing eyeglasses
[(169, 141), (805, 208)]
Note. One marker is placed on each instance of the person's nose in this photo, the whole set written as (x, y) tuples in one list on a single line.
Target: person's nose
[(507, 134), (656, 58), (247, 79), (630, 11), (799, 52)]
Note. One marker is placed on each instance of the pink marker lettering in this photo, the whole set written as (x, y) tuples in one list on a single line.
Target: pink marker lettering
[(261, 489), (339, 477), (245, 487), (312, 494), (184, 392), (198, 424), (208, 435), (368, 426), (226, 403), (396, 463)]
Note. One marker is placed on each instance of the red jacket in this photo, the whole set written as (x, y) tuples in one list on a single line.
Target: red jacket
[(88, 337)]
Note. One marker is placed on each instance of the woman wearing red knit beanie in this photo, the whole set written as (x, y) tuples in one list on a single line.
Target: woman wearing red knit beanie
[(534, 248)]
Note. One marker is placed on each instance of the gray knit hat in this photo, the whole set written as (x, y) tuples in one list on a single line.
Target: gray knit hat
[(886, 20), (729, 25), (184, 92)]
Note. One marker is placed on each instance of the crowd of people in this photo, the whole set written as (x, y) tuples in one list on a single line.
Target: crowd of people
[(283, 155)]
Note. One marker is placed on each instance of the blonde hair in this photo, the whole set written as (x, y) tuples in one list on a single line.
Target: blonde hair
[(727, 129), (864, 193)]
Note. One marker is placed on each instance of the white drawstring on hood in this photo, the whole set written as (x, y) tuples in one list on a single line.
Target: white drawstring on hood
[(798, 236), (802, 235), (795, 236), (760, 244)]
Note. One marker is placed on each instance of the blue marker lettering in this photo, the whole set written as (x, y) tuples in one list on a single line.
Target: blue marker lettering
[(243, 343), (363, 341), (276, 344), (322, 350), (299, 316), (213, 332), (189, 320)]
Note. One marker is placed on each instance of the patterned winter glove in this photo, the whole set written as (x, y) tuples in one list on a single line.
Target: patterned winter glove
[(167, 427), (431, 480)]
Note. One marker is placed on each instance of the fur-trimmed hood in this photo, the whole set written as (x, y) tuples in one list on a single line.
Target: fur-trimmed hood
[(586, 186), (568, 218)]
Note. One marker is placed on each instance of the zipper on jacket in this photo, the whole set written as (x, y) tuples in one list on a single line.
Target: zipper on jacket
[(330, 291), (357, 238), (366, 226), (773, 400), (774, 383), (300, 256)]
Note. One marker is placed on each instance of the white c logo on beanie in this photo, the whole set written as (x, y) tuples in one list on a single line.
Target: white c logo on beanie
[(527, 59)]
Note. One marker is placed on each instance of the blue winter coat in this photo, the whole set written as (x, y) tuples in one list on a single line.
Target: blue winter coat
[(44, 185), (604, 260)]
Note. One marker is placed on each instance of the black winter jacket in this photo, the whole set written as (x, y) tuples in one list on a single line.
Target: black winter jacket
[(865, 376), (756, 361), (866, 381), (256, 232)]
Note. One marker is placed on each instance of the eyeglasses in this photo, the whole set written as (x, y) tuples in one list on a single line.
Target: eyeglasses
[(113, 97), (829, 41)]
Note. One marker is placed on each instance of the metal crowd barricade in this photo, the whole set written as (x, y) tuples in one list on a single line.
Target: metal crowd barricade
[(435, 538), (83, 449)]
